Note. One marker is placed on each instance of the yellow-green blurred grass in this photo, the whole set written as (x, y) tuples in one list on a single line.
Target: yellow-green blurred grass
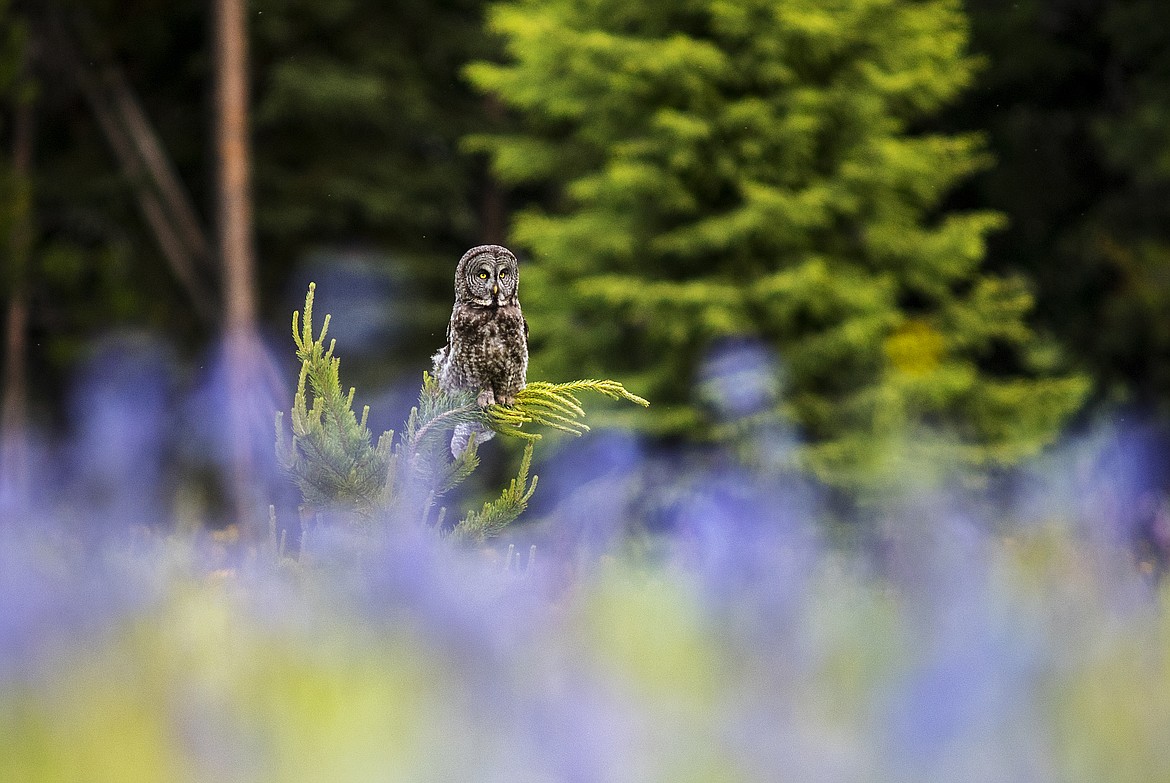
[(1112, 714), (1108, 697), (203, 686), (326, 701), (1112, 717)]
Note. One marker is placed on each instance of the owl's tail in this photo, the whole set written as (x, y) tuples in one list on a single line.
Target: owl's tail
[(462, 436)]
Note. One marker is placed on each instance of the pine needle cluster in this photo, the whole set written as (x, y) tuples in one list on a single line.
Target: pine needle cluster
[(337, 465), (330, 456), (501, 512), (552, 405)]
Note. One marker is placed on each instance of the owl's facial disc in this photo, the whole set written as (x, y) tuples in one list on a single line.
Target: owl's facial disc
[(491, 277)]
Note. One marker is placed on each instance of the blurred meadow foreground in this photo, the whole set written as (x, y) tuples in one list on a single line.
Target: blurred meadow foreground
[(891, 275)]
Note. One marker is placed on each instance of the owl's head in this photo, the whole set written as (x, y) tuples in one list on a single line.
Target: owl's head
[(487, 275)]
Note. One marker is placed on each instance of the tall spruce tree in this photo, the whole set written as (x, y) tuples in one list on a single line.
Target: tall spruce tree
[(757, 167)]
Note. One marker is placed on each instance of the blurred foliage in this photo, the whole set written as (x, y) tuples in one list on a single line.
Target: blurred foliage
[(359, 108), (688, 174), (1073, 100), (94, 266), (753, 168), (15, 88)]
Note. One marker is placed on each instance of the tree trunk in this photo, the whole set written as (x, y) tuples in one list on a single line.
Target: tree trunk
[(234, 211), (234, 161), (14, 415)]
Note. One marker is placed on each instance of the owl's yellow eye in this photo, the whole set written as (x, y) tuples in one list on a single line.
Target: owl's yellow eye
[(483, 275), (503, 273)]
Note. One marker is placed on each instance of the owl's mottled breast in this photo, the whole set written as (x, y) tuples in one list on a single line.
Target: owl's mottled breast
[(492, 345)]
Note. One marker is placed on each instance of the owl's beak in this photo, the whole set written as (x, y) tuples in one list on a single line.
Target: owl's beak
[(495, 290)]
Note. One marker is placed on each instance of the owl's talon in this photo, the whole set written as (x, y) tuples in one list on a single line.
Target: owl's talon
[(508, 400), (485, 398)]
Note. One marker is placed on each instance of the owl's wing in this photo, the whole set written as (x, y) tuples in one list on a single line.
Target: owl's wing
[(524, 321)]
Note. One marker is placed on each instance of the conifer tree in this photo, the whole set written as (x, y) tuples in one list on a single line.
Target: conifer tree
[(337, 465), (753, 167)]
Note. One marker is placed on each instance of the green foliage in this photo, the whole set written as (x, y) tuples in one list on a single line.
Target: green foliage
[(1075, 105), (499, 513), (722, 169), (552, 405), (428, 431), (359, 111), (673, 151), (333, 460), (15, 88), (330, 456)]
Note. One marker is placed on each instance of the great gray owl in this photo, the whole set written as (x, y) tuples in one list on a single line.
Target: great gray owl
[(487, 337)]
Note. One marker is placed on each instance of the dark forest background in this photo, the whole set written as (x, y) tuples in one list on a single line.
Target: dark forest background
[(367, 177)]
